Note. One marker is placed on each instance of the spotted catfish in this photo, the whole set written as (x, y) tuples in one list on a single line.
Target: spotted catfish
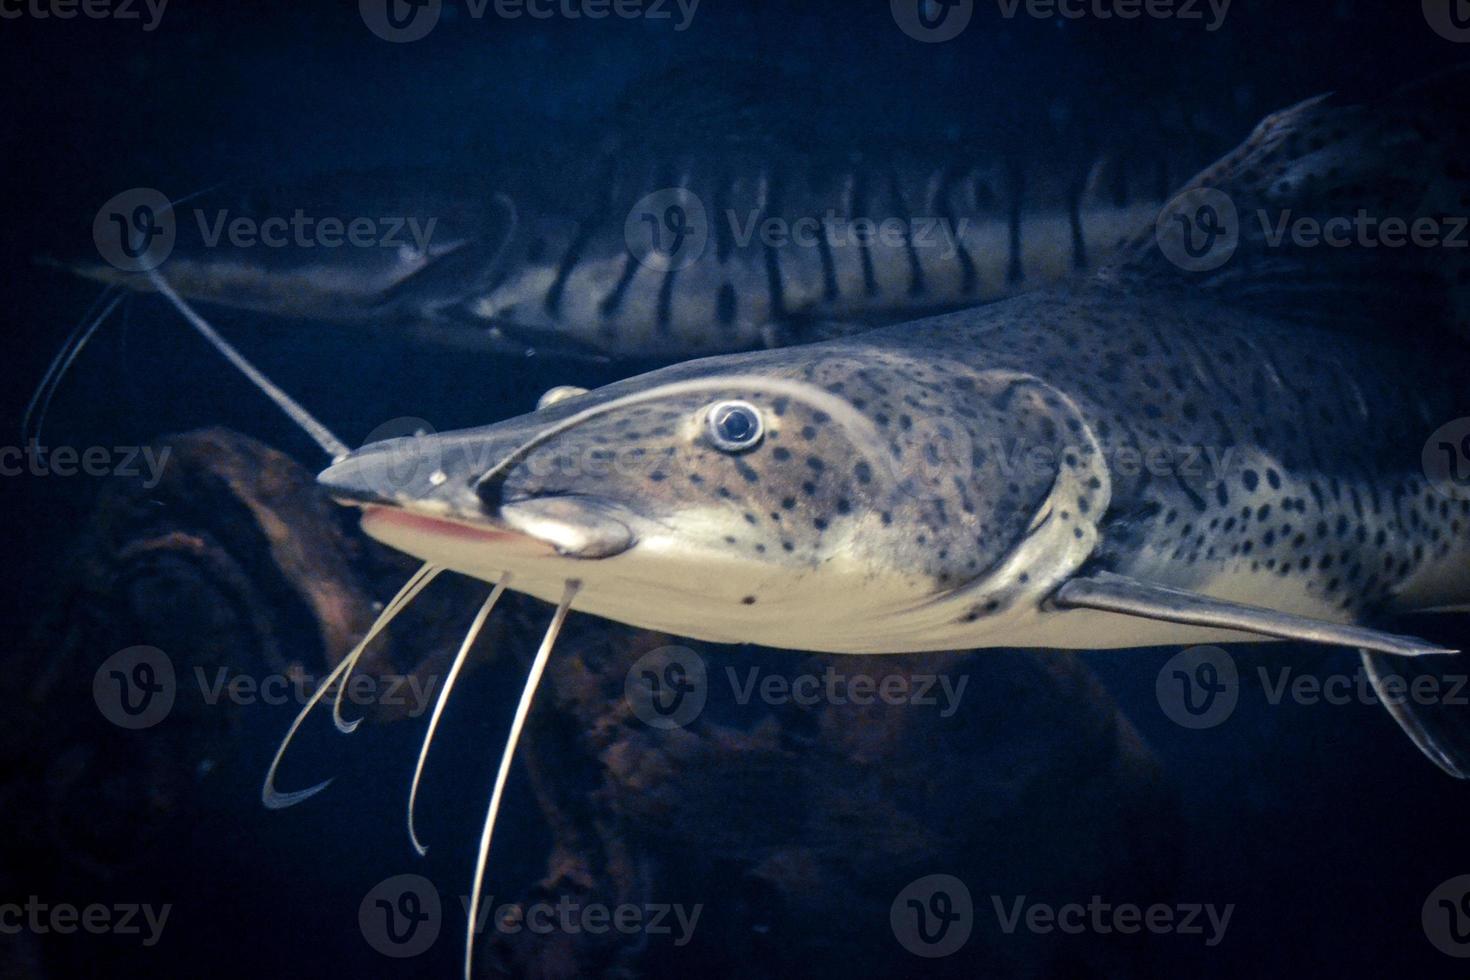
[(1148, 459), (1226, 438), (723, 222)]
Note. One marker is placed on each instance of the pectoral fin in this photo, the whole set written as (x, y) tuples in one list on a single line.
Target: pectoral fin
[(1436, 720), (1119, 594)]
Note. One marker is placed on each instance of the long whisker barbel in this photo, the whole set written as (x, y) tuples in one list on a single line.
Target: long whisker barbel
[(523, 709), (449, 680), (269, 795), (319, 433)]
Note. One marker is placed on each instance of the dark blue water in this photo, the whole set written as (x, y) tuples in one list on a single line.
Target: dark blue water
[(1322, 824)]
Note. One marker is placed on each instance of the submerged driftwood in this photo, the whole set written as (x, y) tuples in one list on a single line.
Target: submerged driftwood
[(793, 825)]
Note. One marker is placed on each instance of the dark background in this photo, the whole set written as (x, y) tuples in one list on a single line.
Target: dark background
[(1321, 823)]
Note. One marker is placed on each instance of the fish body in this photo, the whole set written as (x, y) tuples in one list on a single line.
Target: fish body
[(692, 257), (1166, 454), (1175, 452), (1261, 462), (763, 224)]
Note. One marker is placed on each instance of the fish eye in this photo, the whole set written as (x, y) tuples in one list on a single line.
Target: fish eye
[(735, 426)]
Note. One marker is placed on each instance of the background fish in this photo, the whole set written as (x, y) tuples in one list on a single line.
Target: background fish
[(716, 210)]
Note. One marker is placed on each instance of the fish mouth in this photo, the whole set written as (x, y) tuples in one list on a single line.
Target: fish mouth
[(569, 525)]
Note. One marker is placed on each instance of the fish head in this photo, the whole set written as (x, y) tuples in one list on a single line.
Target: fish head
[(836, 497)]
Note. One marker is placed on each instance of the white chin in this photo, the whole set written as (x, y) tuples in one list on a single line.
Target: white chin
[(661, 584)]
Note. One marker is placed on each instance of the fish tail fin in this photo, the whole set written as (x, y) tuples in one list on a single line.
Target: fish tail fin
[(1354, 215), (1427, 697)]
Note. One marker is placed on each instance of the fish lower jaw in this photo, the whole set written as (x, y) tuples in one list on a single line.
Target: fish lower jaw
[(705, 596)]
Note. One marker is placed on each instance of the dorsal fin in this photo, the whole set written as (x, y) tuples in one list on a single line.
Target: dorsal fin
[(1368, 174)]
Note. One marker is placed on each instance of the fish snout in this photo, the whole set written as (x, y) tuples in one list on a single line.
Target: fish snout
[(409, 471), (421, 476)]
